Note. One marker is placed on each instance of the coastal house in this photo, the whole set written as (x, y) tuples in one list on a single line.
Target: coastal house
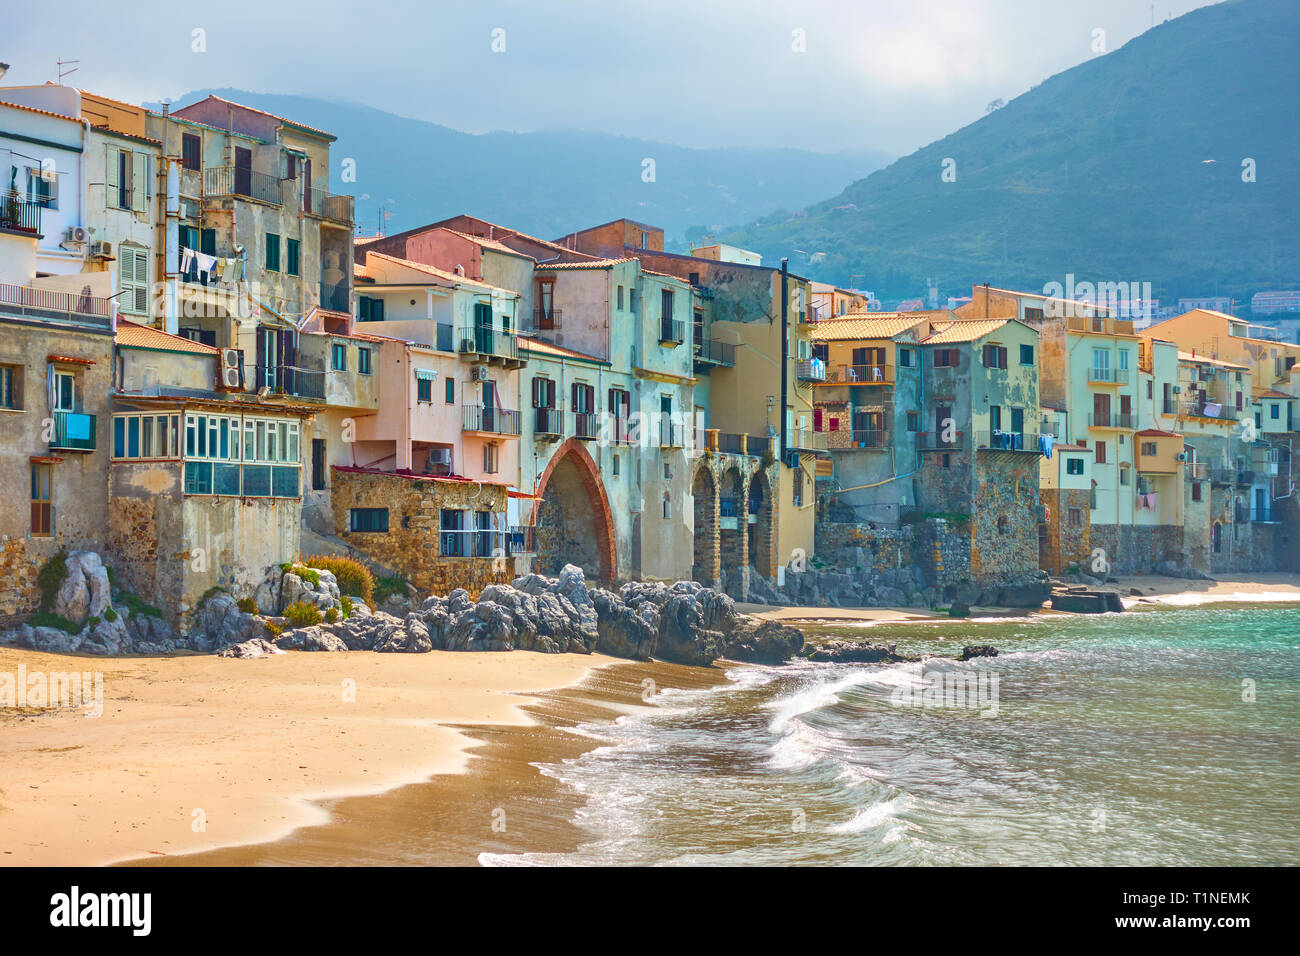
[(1065, 490), (204, 481)]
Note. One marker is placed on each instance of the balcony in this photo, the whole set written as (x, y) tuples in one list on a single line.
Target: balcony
[(1245, 477), (1196, 471), (521, 540), (586, 426), (474, 543), (671, 435), (758, 445), (544, 320), (868, 439), (336, 298), (483, 344), (1108, 376), (242, 183), (810, 370), (860, 375), (1111, 420), (1223, 476), (327, 205), (711, 352), (291, 380), (999, 440), (73, 431), (933, 441), (671, 332), (1216, 411), (45, 304), (806, 439), (548, 423), (19, 215), (1264, 515), (489, 421)]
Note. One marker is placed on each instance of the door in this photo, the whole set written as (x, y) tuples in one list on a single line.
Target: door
[(1100, 410), (1018, 427), (1261, 505), (666, 426), (489, 406), (483, 525), (306, 186), (942, 422), (318, 464), (1125, 411), (65, 392), (483, 328), (243, 171)]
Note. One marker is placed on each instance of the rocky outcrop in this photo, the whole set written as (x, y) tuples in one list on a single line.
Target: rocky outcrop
[(1085, 601), (219, 623), (977, 650), (256, 647), (848, 652), (85, 592)]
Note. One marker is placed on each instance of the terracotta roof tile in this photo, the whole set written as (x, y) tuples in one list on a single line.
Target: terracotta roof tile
[(131, 335), (967, 330), (872, 325)]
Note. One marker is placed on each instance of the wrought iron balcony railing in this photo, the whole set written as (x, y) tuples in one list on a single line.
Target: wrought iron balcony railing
[(242, 182), (19, 215), (48, 304), (495, 421)]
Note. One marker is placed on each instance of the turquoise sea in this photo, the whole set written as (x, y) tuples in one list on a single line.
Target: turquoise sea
[(1160, 736)]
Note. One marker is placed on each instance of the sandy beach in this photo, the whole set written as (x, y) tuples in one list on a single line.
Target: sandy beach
[(194, 752)]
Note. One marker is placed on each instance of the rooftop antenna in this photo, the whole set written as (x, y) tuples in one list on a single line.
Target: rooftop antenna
[(62, 72), (384, 215)]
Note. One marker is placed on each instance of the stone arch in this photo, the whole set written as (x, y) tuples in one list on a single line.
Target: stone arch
[(731, 521), (705, 567), (762, 533), (574, 523)]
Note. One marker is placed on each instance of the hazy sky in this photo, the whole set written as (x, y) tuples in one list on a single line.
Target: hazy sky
[(886, 74)]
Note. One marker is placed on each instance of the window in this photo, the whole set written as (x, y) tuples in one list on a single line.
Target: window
[(995, 356), (291, 265), (668, 508), (1196, 491), (65, 392), (543, 392), (904, 358), (147, 435), (620, 298), (1074, 518), (1074, 466), (43, 187), (42, 506), (1151, 389), (668, 472), (1101, 453), (913, 421), (1002, 524), (363, 360), (318, 454), (191, 151), (490, 458), (424, 385), (370, 309), (339, 357), (11, 392), (1149, 448), (134, 279), (947, 460), (449, 391), (272, 252), (545, 316), (1026, 355), (616, 466), (1033, 315), (265, 464), (1275, 411), (1123, 475), (368, 519), (1123, 358), (797, 487), (945, 358)]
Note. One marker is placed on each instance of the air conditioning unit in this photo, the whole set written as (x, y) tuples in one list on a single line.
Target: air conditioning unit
[(438, 462), (232, 369), (1182, 456), (75, 234), (101, 250), (480, 373), (1178, 390)]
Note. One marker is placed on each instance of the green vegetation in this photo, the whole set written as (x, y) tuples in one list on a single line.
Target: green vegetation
[(49, 619), (1127, 167), (385, 587), (347, 606), (208, 595), (110, 615), (302, 614), (331, 615), (354, 577), (51, 577), (137, 607), (247, 605)]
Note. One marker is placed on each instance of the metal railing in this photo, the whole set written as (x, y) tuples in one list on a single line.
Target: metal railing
[(806, 439), (1245, 476), (335, 297), (870, 438), (757, 445), (73, 431), (495, 421), (19, 215), (481, 340), (1221, 412), (546, 319), (327, 205), (670, 435), (295, 380), (1262, 514), (1110, 420), (810, 370), (877, 374), (715, 352), (1000, 440), (238, 181), (1223, 476), (48, 304), (1112, 376), (672, 330), (474, 543), (730, 443), (586, 426), (1196, 471), (548, 421), (521, 540)]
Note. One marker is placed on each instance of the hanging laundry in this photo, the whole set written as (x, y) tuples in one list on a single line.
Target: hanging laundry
[(1212, 409), (206, 264), (1045, 443), (187, 259)]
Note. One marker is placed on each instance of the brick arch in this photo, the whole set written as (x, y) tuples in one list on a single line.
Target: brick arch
[(590, 474)]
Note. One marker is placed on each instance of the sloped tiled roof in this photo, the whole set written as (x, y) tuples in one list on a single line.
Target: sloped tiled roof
[(1157, 433), (546, 348), (593, 264), (436, 272), (133, 336), (1206, 360), (874, 325), (968, 330), (1269, 393)]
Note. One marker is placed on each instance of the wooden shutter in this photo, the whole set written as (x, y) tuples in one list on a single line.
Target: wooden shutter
[(139, 189), (111, 159), (139, 262)]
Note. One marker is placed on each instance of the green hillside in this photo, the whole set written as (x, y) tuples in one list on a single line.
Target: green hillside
[(1101, 171)]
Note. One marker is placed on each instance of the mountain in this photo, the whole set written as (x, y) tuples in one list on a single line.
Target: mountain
[(551, 182), (1128, 167)]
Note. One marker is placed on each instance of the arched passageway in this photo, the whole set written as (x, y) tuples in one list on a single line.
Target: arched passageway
[(574, 524), (704, 563), (762, 538)]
